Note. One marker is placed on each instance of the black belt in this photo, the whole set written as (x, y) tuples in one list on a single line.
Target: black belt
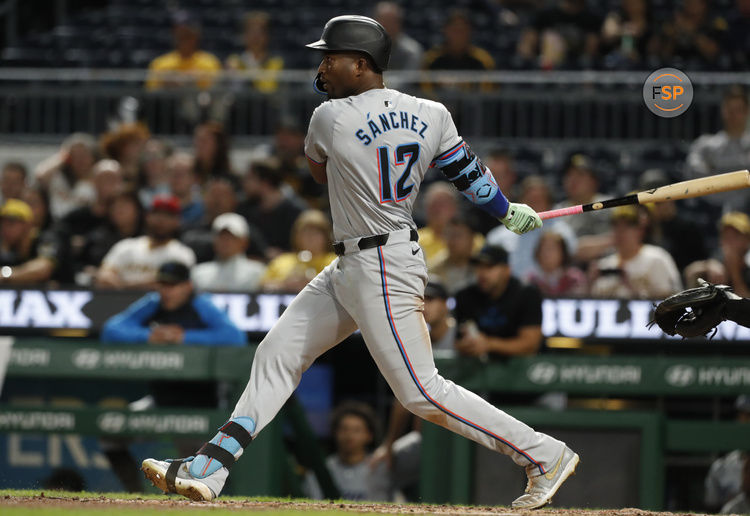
[(371, 241)]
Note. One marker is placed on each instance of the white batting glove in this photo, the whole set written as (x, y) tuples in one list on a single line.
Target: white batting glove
[(521, 218)]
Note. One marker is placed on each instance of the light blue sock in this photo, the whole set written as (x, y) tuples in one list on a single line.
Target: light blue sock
[(203, 466)]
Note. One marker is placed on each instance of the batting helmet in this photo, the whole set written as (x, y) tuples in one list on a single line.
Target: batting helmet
[(358, 34)]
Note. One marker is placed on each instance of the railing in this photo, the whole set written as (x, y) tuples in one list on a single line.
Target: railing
[(551, 105)]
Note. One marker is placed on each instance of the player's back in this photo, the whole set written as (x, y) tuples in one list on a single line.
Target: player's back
[(378, 146)]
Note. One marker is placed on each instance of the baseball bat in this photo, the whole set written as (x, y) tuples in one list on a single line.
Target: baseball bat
[(682, 190)]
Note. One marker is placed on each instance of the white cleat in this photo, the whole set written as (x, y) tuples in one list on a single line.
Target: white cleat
[(197, 489), (542, 487)]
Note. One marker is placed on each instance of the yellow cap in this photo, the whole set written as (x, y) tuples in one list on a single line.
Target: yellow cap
[(15, 209), (736, 220), (629, 213)]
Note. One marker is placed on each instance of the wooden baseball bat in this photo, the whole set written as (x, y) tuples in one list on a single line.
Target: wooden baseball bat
[(682, 190)]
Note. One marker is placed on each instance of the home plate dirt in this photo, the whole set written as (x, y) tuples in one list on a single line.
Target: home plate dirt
[(94, 502)]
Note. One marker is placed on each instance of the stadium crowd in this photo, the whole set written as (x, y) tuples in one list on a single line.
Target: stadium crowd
[(107, 211)]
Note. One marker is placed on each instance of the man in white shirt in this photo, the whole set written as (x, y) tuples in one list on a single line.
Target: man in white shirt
[(232, 270), (133, 262), (635, 270)]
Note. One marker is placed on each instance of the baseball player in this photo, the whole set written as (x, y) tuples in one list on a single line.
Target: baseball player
[(373, 145)]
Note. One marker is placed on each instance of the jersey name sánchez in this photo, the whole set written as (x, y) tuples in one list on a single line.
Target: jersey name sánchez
[(377, 147)]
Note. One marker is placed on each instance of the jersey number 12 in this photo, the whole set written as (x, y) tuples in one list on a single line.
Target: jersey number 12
[(384, 168)]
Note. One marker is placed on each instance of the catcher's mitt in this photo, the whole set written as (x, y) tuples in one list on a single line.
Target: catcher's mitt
[(693, 312)]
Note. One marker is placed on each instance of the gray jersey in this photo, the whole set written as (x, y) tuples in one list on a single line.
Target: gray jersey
[(377, 147)]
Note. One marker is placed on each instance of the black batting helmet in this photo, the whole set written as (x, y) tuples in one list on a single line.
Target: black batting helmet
[(358, 34)]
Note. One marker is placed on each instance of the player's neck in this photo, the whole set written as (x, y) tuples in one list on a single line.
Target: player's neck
[(371, 83)]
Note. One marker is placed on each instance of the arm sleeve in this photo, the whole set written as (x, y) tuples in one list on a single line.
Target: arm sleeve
[(132, 324), (467, 173), (219, 331), (319, 137)]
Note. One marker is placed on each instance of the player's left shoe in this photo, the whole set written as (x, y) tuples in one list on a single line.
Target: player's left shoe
[(542, 486), (201, 478)]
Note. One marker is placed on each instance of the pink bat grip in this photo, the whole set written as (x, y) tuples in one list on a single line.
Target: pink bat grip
[(562, 212)]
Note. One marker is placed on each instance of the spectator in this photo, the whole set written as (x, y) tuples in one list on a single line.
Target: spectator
[(266, 207), (26, 256), (354, 429), (196, 67), (498, 315), (406, 52), (734, 242), (312, 243), (725, 479), (635, 269), (725, 151), (457, 52), (625, 35), (219, 197), (183, 184), (553, 274), (453, 267), (740, 504), (12, 180), (692, 38), (152, 176), (173, 314), (211, 146), (37, 199), (440, 207), (535, 192), (438, 317), (564, 36), (581, 186), (133, 262), (108, 183), (124, 220), (125, 145), (232, 270), (738, 40), (289, 150), (671, 227), (257, 55), (66, 175)]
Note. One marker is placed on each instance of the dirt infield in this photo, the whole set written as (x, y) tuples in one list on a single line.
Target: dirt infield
[(292, 506)]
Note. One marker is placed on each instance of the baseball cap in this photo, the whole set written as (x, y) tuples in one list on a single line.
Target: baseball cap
[(233, 223), (16, 209), (583, 162), (736, 220), (627, 213), (435, 290), (491, 255), (168, 203), (172, 273)]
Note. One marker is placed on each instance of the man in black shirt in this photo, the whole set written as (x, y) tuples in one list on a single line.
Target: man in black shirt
[(498, 314)]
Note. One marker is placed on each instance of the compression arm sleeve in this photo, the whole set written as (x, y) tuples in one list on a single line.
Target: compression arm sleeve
[(469, 175)]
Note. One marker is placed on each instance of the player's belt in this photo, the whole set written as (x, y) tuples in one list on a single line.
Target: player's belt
[(360, 244)]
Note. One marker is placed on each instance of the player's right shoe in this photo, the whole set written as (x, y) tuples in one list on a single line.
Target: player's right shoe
[(201, 478), (542, 487)]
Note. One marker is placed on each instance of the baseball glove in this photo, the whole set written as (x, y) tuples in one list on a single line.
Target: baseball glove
[(693, 312)]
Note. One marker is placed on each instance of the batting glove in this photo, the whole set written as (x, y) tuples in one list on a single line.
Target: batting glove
[(521, 218)]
